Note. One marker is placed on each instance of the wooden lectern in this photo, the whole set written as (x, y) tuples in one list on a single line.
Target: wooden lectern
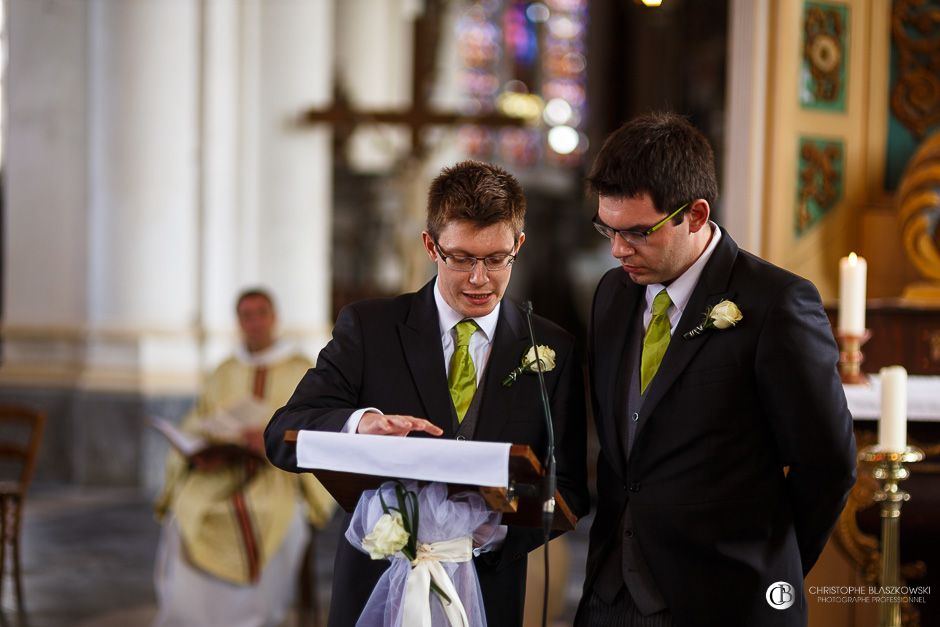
[(520, 504)]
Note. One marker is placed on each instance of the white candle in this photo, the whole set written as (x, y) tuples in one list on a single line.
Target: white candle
[(892, 427), (853, 271)]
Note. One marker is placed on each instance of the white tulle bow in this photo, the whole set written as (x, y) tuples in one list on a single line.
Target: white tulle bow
[(426, 568)]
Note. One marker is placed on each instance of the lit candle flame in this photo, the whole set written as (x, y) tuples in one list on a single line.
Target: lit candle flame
[(853, 259)]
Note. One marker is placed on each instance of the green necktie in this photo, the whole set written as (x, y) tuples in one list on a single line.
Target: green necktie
[(462, 379), (656, 341)]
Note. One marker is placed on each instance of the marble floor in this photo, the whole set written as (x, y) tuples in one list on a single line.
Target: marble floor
[(88, 556)]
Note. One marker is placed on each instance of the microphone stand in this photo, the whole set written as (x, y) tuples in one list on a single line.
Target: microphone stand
[(548, 485)]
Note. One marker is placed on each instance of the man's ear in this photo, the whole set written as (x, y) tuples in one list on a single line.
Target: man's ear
[(429, 245), (698, 211), (519, 242)]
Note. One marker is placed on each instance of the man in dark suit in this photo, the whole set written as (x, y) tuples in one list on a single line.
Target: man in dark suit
[(432, 363), (727, 450)]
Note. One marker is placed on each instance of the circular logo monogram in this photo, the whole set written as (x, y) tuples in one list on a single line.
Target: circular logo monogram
[(780, 595)]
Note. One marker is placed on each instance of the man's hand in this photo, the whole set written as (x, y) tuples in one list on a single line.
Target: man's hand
[(379, 424)]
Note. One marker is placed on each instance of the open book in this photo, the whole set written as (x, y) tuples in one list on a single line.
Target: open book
[(224, 429)]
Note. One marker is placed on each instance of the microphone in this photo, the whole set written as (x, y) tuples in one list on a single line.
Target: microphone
[(548, 495)]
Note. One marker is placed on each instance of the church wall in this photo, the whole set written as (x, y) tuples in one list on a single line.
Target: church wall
[(45, 131), (154, 166), (816, 139), (892, 145), (863, 156)]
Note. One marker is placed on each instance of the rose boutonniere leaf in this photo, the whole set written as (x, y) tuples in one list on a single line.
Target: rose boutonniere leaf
[(530, 364), (724, 315)]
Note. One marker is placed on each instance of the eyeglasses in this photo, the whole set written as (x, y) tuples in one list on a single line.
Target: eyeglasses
[(633, 238), (466, 264)]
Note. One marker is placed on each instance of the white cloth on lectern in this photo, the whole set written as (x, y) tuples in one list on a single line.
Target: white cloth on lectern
[(426, 459), (441, 519)]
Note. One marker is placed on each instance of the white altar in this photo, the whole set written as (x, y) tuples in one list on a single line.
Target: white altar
[(923, 399)]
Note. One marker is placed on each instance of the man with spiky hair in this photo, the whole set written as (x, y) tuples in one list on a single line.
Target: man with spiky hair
[(432, 363)]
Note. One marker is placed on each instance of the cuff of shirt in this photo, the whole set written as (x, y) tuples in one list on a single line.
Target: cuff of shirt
[(352, 424)]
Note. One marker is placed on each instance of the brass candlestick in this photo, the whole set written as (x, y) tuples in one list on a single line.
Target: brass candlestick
[(851, 356), (889, 470)]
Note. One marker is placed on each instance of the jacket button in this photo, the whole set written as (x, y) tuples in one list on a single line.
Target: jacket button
[(636, 416), (629, 533), (634, 487)]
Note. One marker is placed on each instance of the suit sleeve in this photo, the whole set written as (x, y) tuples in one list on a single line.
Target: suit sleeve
[(568, 417), (326, 396), (801, 393)]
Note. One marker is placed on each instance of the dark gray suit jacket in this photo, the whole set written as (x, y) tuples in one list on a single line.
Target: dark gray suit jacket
[(715, 514), (387, 354)]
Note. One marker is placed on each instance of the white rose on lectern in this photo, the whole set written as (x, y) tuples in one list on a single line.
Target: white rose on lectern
[(725, 314), (387, 537)]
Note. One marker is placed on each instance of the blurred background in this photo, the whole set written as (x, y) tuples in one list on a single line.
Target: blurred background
[(157, 156)]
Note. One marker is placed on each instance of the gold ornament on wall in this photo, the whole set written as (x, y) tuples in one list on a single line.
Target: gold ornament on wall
[(819, 182), (919, 218), (915, 95), (824, 33)]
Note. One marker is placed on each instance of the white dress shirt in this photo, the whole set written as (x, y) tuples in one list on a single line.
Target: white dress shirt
[(487, 538), (680, 290), (481, 343)]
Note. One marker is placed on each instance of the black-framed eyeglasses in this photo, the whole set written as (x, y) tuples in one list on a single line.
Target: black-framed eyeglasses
[(492, 263), (633, 238)]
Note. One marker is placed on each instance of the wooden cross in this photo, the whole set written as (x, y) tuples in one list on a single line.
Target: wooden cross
[(419, 116)]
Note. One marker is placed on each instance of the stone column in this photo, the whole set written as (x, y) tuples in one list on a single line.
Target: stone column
[(155, 166)]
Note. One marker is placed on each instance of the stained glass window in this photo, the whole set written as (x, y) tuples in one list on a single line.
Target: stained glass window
[(525, 59)]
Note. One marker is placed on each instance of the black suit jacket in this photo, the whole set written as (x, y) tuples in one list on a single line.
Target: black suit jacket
[(716, 516), (387, 354)]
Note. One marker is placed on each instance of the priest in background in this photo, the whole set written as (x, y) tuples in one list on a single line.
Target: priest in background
[(432, 363), (235, 527)]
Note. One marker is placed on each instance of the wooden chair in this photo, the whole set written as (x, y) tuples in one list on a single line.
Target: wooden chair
[(20, 434)]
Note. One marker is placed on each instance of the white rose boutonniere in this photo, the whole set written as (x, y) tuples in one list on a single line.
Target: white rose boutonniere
[(387, 537), (546, 355), (724, 315)]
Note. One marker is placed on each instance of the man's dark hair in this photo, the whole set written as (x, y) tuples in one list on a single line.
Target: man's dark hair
[(660, 154), (481, 193), (254, 292)]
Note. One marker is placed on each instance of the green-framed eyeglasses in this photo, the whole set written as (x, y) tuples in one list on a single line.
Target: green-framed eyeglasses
[(633, 238), (492, 263)]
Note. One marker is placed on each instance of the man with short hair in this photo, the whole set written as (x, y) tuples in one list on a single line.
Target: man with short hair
[(235, 527), (431, 363), (727, 450)]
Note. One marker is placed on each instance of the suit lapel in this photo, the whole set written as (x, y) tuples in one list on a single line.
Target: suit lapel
[(509, 344), (420, 337), (615, 331), (712, 288)]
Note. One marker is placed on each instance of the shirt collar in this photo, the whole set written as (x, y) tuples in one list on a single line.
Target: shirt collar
[(680, 290), (447, 317)]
